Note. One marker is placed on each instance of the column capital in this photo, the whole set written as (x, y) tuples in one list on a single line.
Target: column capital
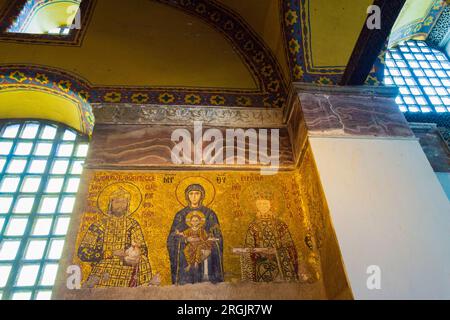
[(353, 111), (376, 91), (344, 112)]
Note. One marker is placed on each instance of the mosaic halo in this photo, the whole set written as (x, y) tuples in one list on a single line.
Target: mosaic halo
[(135, 197), (197, 214), (210, 190)]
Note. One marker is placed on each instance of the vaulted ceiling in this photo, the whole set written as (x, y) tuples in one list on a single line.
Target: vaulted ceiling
[(224, 52), (236, 53)]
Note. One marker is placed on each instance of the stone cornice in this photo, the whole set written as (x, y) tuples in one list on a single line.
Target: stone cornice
[(186, 115), (440, 34), (369, 112), (377, 91)]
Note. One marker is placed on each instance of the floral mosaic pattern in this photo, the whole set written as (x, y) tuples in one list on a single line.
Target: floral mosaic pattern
[(51, 81), (419, 29), (296, 30), (256, 55)]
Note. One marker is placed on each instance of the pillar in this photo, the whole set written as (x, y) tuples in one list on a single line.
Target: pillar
[(386, 204)]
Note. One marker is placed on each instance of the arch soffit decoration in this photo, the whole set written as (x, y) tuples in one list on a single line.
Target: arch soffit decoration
[(296, 29), (251, 49), (30, 82), (54, 82), (40, 104), (420, 27)]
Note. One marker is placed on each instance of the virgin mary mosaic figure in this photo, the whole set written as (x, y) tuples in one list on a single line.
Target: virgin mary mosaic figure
[(195, 242)]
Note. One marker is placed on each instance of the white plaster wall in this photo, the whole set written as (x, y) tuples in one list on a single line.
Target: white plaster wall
[(388, 209)]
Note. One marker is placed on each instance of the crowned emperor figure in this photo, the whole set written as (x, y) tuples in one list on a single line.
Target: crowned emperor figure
[(116, 247)]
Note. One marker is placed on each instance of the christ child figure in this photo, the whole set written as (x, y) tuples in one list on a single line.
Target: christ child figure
[(198, 241)]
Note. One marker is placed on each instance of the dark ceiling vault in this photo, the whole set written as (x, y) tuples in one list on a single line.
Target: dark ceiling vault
[(370, 43)]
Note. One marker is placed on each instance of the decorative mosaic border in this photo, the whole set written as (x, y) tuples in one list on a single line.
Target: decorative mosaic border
[(307, 44), (256, 55), (296, 31), (24, 78), (54, 78), (18, 13), (83, 108), (181, 115), (27, 77), (420, 28), (441, 30), (254, 52)]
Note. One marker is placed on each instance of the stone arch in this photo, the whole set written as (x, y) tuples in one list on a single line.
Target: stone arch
[(38, 93)]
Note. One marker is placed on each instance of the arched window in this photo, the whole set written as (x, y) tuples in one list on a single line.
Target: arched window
[(40, 169), (46, 17), (422, 75)]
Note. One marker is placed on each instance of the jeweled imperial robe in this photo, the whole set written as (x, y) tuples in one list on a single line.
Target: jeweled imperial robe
[(282, 264), (106, 237), (193, 252)]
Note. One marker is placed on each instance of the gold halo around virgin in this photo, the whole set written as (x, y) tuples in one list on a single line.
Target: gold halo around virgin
[(135, 197), (210, 190)]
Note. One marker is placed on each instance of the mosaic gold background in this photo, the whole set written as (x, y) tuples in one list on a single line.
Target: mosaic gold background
[(231, 194)]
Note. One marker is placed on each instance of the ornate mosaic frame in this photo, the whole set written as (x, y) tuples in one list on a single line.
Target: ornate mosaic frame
[(251, 48), (272, 88), (419, 28), (42, 79), (42, 76), (440, 33), (296, 31)]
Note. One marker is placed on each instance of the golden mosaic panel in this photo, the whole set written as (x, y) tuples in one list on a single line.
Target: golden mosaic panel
[(126, 237)]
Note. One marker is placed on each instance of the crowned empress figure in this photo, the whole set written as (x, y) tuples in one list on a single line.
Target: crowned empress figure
[(272, 252)]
